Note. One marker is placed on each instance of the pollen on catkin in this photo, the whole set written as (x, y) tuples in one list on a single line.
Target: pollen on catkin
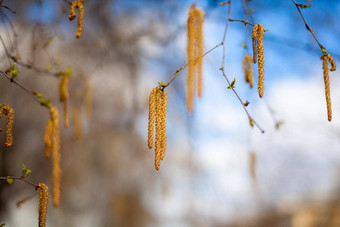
[(77, 4), (77, 124), (42, 190), (152, 110), (248, 69), (157, 123), (48, 138), (260, 65), (9, 112), (56, 170), (64, 95), (254, 35), (325, 59), (194, 55)]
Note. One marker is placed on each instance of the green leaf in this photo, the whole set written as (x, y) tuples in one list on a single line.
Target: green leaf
[(13, 73), (246, 103), (68, 71), (161, 84), (303, 6), (9, 180), (2, 224), (25, 171), (251, 122), (224, 3), (232, 84), (244, 45)]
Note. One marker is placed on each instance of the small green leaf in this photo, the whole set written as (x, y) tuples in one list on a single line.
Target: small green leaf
[(9, 180), (161, 84), (13, 73), (303, 6), (25, 171), (68, 71), (232, 84), (324, 51), (251, 122), (244, 45), (2, 224), (224, 3), (246, 103)]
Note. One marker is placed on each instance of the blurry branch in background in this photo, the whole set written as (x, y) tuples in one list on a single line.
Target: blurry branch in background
[(325, 59)]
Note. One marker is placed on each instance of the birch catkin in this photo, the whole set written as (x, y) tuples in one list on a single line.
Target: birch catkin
[(248, 69), (325, 59), (48, 138), (64, 95), (258, 53), (157, 123), (77, 4), (42, 190), (56, 170), (254, 35), (194, 55), (9, 112)]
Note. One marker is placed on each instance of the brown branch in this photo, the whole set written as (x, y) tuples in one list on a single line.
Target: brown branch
[(309, 28), (19, 178), (251, 119)]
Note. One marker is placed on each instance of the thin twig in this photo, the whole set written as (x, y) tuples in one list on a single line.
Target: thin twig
[(21, 86), (308, 28), (184, 66), (19, 178), (251, 119)]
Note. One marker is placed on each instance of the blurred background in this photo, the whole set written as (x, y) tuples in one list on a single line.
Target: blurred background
[(217, 171)]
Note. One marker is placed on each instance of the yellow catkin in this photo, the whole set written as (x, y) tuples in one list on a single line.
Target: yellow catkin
[(80, 19), (73, 10), (191, 60), (260, 65), (252, 165), (152, 109), (77, 4), (254, 35), (9, 112), (248, 69), (88, 97), (194, 55), (332, 62), (200, 47), (48, 138), (325, 60), (64, 96), (163, 124), (56, 170), (42, 190), (158, 137), (77, 124)]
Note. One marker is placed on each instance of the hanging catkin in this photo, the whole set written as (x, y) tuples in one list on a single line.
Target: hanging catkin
[(9, 112), (157, 123), (194, 55), (325, 59), (56, 170), (258, 53), (248, 69), (77, 4), (42, 190)]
